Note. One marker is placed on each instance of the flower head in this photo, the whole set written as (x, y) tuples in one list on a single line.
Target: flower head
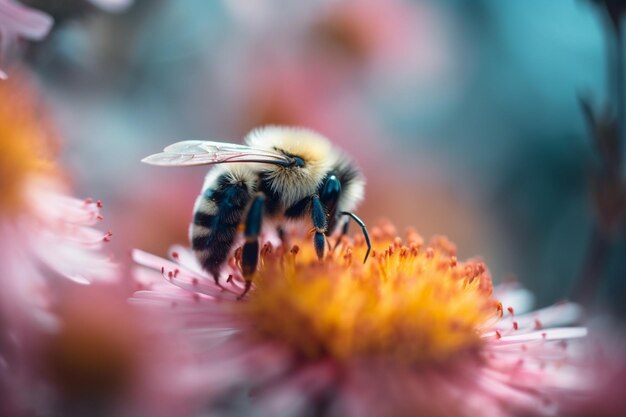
[(102, 358), (92, 357), (29, 144), (409, 304), (45, 232), (99, 360), (413, 331), (46, 241)]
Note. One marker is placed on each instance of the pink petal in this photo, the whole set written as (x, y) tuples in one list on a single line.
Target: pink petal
[(515, 399), (151, 261), (26, 22), (192, 283), (294, 393), (186, 258), (511, 295), (557, 333)]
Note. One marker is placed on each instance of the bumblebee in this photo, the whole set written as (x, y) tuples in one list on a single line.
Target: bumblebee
[(281, 174)]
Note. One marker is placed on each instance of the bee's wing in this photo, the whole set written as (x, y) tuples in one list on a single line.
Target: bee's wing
[(202, 152)]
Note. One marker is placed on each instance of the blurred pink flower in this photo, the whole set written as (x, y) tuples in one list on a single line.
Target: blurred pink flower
[(319, 64), (411, 332), (392, 39), (397, 38), (605, 371), (19, 21), (47, 241), (100, 360), (45, 233)]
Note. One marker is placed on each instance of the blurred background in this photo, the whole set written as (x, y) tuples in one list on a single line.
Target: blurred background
[(464, 116)]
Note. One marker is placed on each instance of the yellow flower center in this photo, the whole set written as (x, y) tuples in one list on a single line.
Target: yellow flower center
[(25, 141), (409, 302)]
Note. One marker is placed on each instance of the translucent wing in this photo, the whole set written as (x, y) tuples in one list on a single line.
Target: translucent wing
[(201, 152)]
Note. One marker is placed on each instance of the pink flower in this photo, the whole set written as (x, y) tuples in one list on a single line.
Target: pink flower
[(45, 234), (413, 331), (48, 243), (100, 360), (19, 21), (393, 38), (604, 366)]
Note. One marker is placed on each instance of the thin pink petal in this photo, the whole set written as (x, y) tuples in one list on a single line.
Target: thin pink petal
[(151, 261), (557, 333)]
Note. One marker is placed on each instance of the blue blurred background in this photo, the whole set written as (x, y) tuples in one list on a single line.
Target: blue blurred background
[(463, 115)]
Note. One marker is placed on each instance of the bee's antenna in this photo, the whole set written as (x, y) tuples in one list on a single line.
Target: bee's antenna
[(363, 229)]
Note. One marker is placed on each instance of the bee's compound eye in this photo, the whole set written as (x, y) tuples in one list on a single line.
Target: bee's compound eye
[(297, 161)]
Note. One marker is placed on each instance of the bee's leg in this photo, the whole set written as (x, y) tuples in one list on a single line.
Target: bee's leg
[(363, 229), (320, 223), (250, 252), (330, 191), (329, 195)]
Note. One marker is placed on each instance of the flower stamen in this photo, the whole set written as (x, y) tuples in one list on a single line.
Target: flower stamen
[(411, 303)]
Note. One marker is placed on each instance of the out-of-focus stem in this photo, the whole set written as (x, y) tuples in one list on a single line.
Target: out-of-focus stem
[(611, 157), (621, 98)]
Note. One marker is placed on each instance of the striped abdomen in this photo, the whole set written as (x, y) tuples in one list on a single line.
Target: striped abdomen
[(218, 213)]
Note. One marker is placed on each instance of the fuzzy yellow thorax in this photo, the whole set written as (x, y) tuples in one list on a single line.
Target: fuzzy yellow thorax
[(26, 143), (409, 302)]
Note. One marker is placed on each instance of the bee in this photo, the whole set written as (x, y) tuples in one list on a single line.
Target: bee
[(281, 174)]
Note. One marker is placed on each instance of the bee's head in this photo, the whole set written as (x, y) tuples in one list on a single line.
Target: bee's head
[(312, 156)]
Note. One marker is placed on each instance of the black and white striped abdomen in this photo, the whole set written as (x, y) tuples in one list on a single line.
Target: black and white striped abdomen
[(218, 211)]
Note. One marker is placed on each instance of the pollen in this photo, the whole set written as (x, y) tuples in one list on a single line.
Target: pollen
[(410, 302), (28, 145)]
